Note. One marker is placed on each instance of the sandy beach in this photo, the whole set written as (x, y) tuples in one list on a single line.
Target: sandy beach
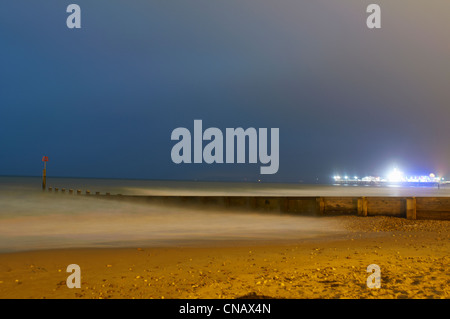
[(413, 257)]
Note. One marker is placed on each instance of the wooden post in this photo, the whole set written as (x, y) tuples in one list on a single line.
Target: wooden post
[(285, 204), (44, 178), (227, 201), (254, 202), (411, 208), (44, 173), (362, 206), (320, 206), (359, 207)]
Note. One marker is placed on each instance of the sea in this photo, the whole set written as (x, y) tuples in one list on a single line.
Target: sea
[(32, 219)]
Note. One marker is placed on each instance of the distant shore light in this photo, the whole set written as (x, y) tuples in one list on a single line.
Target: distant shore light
[(394, 176)]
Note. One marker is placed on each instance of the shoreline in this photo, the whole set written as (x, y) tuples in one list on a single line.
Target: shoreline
[(413, 257)]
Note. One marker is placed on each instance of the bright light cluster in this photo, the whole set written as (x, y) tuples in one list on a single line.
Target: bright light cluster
[(395, 176)]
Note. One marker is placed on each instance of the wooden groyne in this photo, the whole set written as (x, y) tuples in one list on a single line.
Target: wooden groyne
[(407, 207)]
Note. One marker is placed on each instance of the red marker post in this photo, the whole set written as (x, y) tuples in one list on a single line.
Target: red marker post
[(44, 173)]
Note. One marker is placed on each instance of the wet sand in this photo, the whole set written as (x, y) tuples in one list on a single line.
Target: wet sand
[(413, 256)]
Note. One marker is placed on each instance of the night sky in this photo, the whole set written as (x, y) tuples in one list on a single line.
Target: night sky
[(102, 101)]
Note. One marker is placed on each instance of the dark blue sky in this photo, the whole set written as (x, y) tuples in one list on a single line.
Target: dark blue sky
[(103, 100)]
